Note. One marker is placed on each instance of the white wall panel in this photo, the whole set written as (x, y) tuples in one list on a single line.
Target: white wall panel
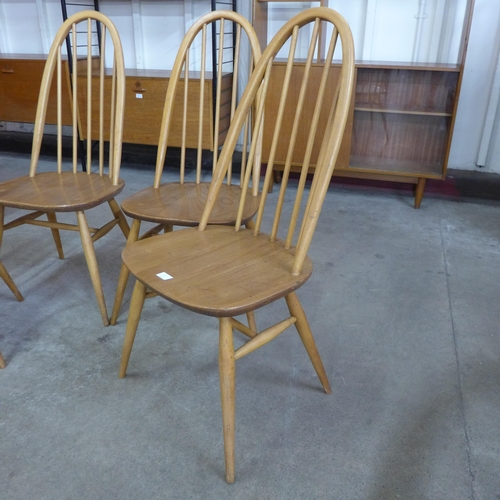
[(22, 27)]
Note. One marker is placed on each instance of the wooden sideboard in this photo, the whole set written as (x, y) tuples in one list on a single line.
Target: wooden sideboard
[(145, 92), (21, 75)]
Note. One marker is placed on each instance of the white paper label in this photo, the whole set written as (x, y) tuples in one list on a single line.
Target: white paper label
[(138, 96), (164, 276)]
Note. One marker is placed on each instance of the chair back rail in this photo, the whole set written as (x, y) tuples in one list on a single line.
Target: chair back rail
[(192, 65), (330, 104), (90, 122)]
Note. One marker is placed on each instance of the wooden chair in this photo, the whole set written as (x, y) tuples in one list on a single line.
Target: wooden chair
[(225, 271), (97, 118), (194, 87)]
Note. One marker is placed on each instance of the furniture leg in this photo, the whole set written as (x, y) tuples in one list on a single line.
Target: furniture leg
[(88, 249), (2, 361), (226, 374), (252, 324), (305, 333), (10, 283), (136, 305), (51, 216), (419, 191), (133, 235), (122, 221)]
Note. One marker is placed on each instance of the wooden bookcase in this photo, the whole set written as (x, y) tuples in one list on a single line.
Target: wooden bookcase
[(402, 116)]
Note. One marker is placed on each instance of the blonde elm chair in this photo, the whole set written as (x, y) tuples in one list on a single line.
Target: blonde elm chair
[(97, 113), (188, 100), (225, 271)]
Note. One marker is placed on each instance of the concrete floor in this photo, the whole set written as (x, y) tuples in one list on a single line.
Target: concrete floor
[(404, 307)]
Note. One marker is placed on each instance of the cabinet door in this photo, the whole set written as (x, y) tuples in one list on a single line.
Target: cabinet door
[(20, 81)]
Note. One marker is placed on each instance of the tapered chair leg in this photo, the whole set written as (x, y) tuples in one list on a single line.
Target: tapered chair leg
[(226, 374), (51, 216), (133, 235), (252, 324), (136, 305), (2, 361), (10, 283), (122, 221), (88, 250), (305, 333)]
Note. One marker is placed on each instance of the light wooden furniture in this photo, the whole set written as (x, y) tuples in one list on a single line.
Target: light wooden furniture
[(48, 193), (2, 361), (225, 271), (187, 103), (402, 115)]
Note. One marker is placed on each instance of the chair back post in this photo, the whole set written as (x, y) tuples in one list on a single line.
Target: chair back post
[(180, 73), (337, 109), (118, 92)]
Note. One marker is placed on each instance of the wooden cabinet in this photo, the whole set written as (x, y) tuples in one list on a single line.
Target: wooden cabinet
[(20, 79), (145, 93), (402, 117), (21, 76)]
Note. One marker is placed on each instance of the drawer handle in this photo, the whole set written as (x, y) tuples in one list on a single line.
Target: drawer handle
[(138, 87), (7, 70)]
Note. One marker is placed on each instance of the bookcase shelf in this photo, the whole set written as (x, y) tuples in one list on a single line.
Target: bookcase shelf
[(402, 116)]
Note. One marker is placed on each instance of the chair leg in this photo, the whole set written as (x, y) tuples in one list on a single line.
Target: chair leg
[(122, 221), (2, 361), (305, 333), (252, 324), (51, 216), (136, 305), (250, 315), (10, 283), (226, 374), (88, 249), (133, 235)]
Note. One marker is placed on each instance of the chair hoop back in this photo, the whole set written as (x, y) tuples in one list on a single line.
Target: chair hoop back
[(97, 93), (331, 104), (187, 103)]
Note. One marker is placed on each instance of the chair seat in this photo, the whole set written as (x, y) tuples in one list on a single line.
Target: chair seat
[(54, 192), (182, 204), (216, 272)]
